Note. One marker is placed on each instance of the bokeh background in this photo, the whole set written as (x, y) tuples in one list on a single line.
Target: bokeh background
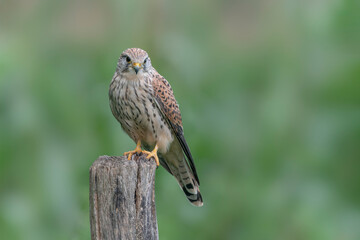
[(270, 97)]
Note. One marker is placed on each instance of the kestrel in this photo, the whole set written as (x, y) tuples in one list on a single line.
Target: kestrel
[(144, 104)]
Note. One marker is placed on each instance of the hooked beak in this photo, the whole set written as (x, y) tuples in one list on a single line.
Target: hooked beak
[(136, 67)]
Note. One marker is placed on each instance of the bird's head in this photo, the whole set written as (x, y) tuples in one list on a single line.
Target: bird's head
[(134, 61)]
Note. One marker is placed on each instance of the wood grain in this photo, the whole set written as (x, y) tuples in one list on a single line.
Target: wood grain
[(122, 198)]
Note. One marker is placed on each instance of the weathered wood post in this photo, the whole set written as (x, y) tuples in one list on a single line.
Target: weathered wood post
[(122, 198)]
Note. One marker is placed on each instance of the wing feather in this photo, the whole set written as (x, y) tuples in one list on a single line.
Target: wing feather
[(167, 105)]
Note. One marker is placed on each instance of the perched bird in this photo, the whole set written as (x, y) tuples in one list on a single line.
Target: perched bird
[(144, 104)]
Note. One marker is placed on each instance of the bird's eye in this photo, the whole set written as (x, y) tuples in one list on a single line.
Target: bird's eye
[(128, 59), (145, 60)]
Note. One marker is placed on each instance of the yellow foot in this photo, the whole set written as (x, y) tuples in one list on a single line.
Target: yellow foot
[(136, 150), (153, 154)]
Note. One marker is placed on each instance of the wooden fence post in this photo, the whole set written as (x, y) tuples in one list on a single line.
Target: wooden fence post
[(122, 198)]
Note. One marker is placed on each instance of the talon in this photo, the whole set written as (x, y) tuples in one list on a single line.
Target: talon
[(136, 150), (154, 155)]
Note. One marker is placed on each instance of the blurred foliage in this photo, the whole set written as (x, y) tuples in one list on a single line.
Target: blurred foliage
[(270, 97)]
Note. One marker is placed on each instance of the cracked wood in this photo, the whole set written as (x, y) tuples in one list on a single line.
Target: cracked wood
[(122, 198)]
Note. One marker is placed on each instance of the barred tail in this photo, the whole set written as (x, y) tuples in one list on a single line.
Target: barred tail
[(185, 178), (190, 188)]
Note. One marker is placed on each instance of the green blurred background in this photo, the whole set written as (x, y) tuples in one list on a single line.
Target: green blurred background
[(270, 97)]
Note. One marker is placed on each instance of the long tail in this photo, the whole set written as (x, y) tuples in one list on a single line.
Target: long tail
[(175, 162), (189, 185)]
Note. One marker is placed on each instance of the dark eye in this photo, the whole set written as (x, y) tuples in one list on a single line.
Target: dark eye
[(145, 60), (128, 59)]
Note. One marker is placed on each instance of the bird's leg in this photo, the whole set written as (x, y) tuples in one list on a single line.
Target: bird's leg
[(136, 150), (153, 154)]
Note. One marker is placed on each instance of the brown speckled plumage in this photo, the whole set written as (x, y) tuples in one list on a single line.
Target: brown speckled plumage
[(144, 104)]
